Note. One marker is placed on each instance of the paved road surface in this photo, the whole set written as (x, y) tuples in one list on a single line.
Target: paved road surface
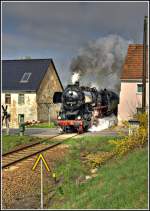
[(34, 131), (47, 132)]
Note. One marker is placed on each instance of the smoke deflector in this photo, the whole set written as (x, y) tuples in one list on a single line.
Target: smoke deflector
[(57, 97)]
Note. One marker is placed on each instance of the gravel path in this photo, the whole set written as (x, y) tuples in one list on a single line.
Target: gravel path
[(21, 185)]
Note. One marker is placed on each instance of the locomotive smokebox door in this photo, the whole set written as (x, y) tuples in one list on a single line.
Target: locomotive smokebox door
[(57, 97)]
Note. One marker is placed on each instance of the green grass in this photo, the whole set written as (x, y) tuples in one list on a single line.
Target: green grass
[(13, 141), (90, 143), (42, 125), (121, 183)]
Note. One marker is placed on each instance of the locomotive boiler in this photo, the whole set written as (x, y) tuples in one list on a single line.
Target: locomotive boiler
[(80, 105)]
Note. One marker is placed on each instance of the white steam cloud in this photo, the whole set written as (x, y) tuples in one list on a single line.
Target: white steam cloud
[(104, 123), (100, 62), (75, 77)]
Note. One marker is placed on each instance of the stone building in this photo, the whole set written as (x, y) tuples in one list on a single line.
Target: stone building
[(27, 89), (131, 83)]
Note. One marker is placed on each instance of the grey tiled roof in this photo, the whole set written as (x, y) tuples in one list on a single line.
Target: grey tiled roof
[(13, 70)]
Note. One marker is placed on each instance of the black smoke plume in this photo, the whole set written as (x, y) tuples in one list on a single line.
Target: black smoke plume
[(99, 63)]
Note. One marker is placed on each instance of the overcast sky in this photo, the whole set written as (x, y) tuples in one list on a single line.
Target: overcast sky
[(58, 29)]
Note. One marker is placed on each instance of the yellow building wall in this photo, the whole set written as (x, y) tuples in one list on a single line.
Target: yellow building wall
[(49, 85), (29, 108)]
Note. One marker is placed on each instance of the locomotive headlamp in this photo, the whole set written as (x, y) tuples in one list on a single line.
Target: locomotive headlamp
[(79, 117)]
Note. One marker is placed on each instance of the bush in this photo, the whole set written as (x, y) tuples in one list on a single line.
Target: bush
[(137, 139), (98, 159), (143, 118)]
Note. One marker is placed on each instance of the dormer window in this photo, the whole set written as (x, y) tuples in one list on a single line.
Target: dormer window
[(25, 78)]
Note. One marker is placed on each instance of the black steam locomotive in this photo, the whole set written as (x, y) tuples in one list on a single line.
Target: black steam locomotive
[(80, 105)]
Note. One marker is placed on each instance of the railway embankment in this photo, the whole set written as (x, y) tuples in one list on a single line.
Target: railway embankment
[(93, 177), (99, 172), (87, 176)]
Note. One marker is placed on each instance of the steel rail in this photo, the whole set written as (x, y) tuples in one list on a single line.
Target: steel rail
[(29, 145), (35, 153)]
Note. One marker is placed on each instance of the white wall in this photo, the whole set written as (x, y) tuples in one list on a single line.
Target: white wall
[(29, 108), (130, 100)]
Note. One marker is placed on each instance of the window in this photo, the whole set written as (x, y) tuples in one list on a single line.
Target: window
[(25, 77), (21, 99), (139, 88), (7, 98), (20, 118)]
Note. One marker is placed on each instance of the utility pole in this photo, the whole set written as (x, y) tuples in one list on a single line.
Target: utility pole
[(144, 65), (49, 115)]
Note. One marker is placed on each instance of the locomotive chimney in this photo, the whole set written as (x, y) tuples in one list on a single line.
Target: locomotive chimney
[(144, 64), (77, 83)]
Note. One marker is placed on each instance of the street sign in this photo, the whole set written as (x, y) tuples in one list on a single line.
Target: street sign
[(44, 161)]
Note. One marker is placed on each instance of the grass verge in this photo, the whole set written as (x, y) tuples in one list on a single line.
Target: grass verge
[(11, 142), (42, 125), (121, 183)]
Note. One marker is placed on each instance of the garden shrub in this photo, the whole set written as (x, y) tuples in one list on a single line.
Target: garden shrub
[(137, 139), (98, 159)]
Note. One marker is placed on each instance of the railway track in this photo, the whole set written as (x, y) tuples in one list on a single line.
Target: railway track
[(30, 150)]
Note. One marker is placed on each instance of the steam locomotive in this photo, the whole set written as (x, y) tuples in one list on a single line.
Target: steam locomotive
[(80, 105)]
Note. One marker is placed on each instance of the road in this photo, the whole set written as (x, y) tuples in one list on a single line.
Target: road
[(48, 132), (34, 131)]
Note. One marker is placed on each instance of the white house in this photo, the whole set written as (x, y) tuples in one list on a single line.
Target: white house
[(131, 83), (27, 89)]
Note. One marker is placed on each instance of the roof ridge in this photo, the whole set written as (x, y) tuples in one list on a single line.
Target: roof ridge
[(136, 44), (27, 59)]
